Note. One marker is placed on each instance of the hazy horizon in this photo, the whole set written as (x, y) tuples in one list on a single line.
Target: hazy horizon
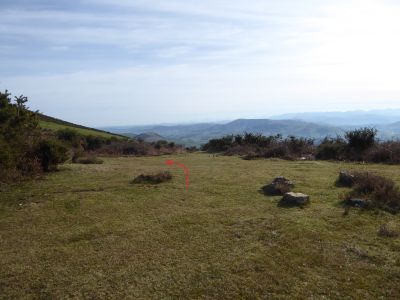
[(378, 112), (101, 63)]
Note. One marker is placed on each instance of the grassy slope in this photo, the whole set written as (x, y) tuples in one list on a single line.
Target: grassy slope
[(86, 232), (54, 124)]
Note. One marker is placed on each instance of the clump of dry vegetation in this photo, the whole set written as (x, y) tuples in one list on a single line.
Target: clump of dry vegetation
[(373, 191), (389, 230), (152, 178)]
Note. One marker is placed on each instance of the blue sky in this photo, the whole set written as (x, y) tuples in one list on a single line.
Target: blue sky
[(106, 62)]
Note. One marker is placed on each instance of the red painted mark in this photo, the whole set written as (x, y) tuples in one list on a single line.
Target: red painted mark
[(170, 162)]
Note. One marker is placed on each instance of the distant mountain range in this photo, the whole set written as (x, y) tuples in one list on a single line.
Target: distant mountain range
[(348, 118), (197, 134), (313, 125)]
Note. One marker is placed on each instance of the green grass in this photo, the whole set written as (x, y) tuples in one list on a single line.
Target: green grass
[(54, 127), (86, 232), (54, 124)]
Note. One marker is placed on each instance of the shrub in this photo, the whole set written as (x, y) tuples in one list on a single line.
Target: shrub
[(277, 151), (380, 192), (51, 153), (298, 146), (69, 135), (218, 145), (331, 149), (20, 137), (387, 152), (359, 141), (94, 142), (389, 230), (153, 178)]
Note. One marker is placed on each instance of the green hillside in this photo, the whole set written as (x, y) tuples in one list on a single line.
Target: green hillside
[(54, 124), (86, 232)]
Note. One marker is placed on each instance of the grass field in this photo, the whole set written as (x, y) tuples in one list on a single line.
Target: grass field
[(83, 131), (86, 232)]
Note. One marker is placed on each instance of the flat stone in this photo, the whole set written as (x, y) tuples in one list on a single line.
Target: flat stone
[(295, 199)]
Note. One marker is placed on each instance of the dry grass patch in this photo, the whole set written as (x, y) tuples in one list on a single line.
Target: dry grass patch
[(152, 178)]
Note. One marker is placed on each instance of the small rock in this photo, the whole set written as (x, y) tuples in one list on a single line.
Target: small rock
[(279, 186), (357, 202), (283, 180), (346, 179), (295, 199)]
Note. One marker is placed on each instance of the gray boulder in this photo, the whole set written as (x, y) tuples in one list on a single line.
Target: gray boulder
[(346, 179), (298, 199), (279, 186)]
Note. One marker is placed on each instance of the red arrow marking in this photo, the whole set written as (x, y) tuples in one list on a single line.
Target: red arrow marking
[(170, 162)]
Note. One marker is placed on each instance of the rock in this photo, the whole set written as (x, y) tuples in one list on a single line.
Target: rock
[(282, 180), (346, 179), (279, 186), (356, 202), (295, 199)]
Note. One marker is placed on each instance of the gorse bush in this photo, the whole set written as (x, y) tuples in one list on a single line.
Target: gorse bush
[(361, 139), (23, 149), (69, 135), (50, 154), (331, 149)]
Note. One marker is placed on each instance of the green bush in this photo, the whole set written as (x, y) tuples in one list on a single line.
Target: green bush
[(93, 143), (51, 153), (331, 149), (69, 135), (19, 135), (359, 141)]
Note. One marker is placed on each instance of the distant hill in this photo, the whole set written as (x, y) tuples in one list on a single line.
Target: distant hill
[(197, 134), (149, 137), (50, 123), (347, 118)]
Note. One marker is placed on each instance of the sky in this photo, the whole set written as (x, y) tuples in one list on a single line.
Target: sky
[(131, 62)]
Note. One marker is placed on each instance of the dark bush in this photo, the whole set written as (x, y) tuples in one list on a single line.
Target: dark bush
[(69, 135), (280, 150), (153, 178), (50, 154), (386, 152), (359, 141), (218, 145), (331, 149), (94, 142), (299, 146), (22, 149)]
